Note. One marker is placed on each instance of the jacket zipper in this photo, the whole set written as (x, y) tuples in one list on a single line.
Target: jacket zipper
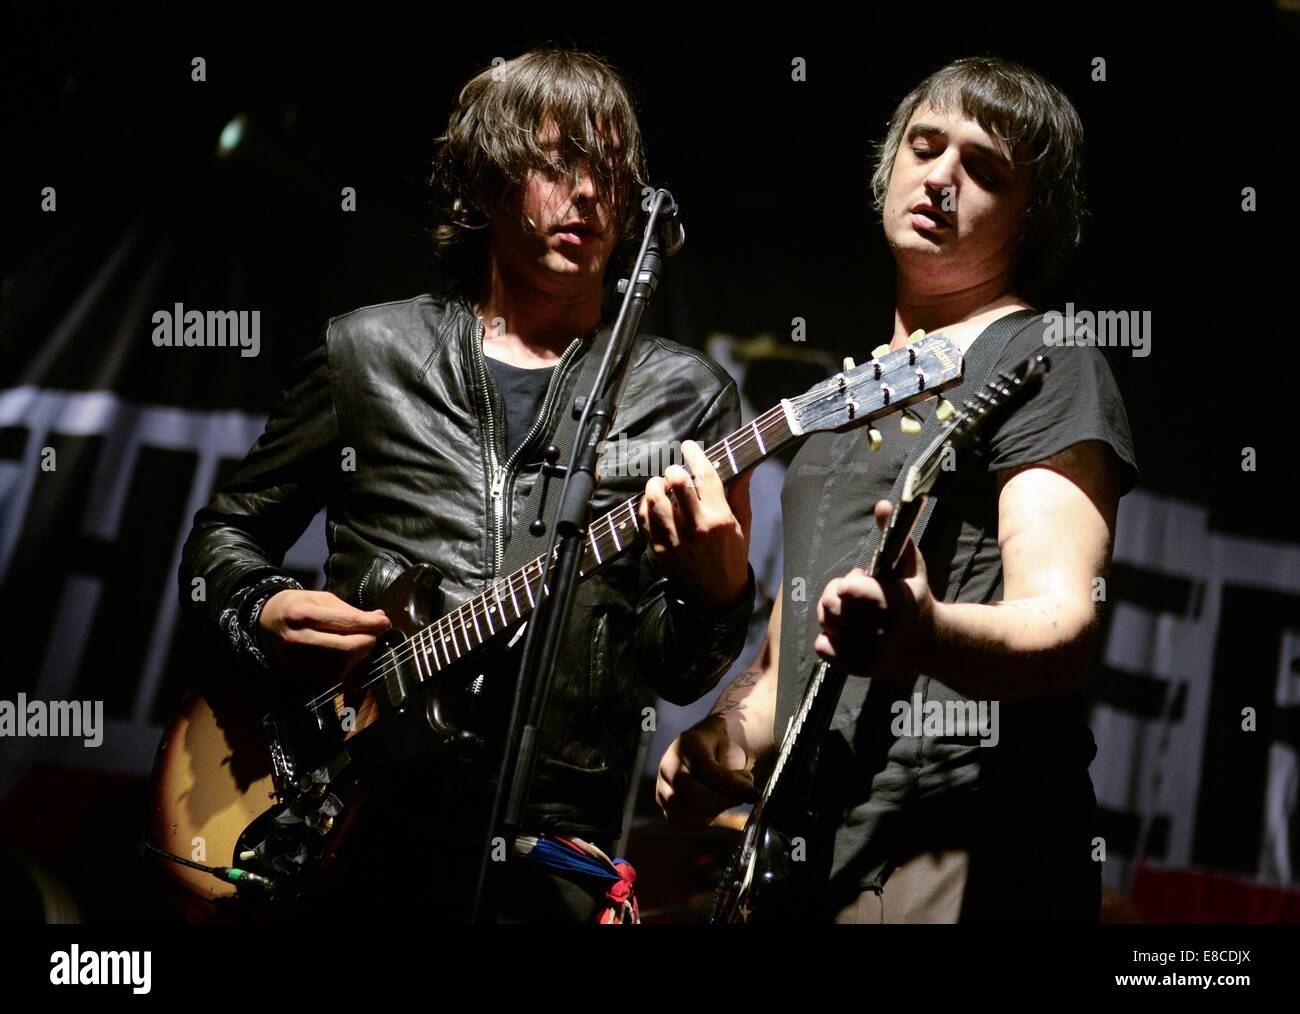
[(500, 473)]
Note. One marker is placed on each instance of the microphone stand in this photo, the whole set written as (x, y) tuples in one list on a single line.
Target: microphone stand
[(551, 614)]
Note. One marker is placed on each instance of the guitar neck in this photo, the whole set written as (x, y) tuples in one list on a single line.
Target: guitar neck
[(800, 740), (889, 551), (816, 708), (512, 598), (850, 398), (853, 397)]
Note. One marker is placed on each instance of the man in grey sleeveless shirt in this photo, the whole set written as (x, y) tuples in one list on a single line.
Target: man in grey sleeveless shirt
[(978, 187)]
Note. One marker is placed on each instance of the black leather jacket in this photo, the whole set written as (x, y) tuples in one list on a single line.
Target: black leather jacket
[(403, 386)]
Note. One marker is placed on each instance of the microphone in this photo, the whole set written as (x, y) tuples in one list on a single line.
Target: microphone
[(671, 232)]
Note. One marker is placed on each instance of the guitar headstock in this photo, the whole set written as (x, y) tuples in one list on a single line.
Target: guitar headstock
[(878, 387), (973, 422)]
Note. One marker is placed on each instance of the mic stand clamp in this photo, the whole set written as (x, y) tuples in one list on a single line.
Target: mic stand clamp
[(551, 469)]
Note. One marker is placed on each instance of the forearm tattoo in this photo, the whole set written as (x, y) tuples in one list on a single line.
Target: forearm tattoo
[(733, 698)]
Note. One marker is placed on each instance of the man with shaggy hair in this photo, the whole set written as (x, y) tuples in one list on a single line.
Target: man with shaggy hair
[(447, 402), (978, 188)]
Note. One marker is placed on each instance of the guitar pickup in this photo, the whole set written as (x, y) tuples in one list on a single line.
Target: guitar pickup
[(284, 765)]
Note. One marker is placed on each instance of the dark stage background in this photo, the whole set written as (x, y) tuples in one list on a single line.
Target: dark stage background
[(772, 177)]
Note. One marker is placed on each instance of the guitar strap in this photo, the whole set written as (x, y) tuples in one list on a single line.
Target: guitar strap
[(524, 547), (979, 360)]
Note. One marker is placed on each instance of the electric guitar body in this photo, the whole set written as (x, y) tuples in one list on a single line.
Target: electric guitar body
[(248, 775)]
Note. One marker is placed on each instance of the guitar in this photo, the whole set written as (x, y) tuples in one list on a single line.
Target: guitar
[(258, 778), (767, 880)]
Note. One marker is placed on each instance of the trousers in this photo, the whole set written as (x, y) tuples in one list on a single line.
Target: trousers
[(1009, 885)]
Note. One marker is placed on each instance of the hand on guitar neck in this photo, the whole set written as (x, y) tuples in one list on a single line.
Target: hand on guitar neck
[(709, 767), (879, 628), (698, 530)]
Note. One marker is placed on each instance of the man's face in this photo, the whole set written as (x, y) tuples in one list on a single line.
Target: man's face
[(554, 231), (954, 206)]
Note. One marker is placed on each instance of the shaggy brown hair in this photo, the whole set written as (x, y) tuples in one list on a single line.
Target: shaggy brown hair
[(1039, 126), (490, 148)]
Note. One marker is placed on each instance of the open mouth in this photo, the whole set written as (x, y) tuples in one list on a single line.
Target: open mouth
[(925, 216), (574, 232)]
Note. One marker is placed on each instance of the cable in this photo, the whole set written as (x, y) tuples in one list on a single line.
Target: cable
[(228, 873)]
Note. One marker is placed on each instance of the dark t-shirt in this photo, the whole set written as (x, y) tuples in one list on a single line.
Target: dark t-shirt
[(522, 391), (890, 788)]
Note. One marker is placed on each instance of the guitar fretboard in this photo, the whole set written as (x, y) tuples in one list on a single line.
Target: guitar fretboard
[(850, 398), (511, 598), (827, 681), (795, 726)]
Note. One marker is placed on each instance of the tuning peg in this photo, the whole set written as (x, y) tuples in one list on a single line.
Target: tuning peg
[(880, 350), (915, 336), (875, 438), (945, 410), (849, 364), (910, 422)]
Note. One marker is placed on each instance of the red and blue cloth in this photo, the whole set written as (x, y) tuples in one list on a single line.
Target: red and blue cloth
[(575, 857)]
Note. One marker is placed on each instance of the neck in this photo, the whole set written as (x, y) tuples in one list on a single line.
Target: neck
[(542, 320), (932, 308)]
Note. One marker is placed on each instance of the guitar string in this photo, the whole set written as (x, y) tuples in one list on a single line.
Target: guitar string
[(398, 656), (962, 425), (466, 616), (966, 420), (416, 645), (425, 641), (519, 582)]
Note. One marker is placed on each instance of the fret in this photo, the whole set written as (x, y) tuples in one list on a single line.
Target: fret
[(422, 672), (607, 536), (449, 639), (795, 726), (423, 667), (431, 652)]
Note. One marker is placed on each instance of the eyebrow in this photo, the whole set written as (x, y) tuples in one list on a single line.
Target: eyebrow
[(927, 130)]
